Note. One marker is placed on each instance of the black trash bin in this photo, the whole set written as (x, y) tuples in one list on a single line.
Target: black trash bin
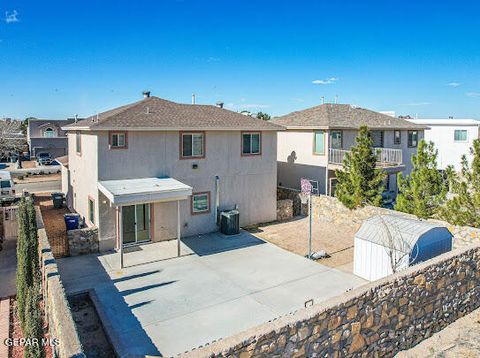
[(230, 222), (58, 200)]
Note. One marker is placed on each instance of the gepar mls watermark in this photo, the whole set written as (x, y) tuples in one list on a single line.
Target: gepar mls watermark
[(34, 342)]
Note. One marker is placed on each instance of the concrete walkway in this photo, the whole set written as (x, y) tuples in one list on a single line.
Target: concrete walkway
[(221, 286), (8, 268)]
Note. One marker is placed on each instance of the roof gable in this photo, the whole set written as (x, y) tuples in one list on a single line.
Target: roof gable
[(154, 113), (342, 116)]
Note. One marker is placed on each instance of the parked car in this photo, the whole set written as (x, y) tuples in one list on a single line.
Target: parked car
[(7, 188), (44, 158)]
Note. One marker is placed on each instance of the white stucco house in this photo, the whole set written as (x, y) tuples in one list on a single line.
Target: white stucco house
[(452, 137), (157, 170), (316, 140)]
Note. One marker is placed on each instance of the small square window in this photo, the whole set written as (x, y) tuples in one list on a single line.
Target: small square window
[(412, 139), (118, 140), (251, 143), (460, 135), (397, 137), (91, 210), (200, 203), (193, 145)]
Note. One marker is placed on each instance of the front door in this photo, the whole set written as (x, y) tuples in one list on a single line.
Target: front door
[(136, 223)]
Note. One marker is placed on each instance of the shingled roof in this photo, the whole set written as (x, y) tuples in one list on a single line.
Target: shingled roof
[(153, 113), (342, 116)]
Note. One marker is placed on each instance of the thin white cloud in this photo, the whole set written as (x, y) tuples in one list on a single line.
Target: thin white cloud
[(11, 17), (418, 104), (254, 105), (327, 81), (454, 84), (473, 94)]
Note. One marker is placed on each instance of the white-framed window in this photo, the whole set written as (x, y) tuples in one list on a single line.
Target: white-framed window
[(412, 139), (48, 132), (118, 140), (336, 139), (91, 210), (192, 145), (251, 143), (460, 135), (397, 137), (200, 203), (78, 143), (319, 143)]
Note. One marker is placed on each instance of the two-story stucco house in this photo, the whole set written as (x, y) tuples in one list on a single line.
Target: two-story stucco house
[(45, 135), (453, 138), (317, 138), (157, 170)]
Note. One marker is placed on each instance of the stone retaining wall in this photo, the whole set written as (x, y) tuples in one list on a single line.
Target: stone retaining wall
[(330, 209), (292, 194), (284, 209), (83, 241), (57, 310), (377, 319)]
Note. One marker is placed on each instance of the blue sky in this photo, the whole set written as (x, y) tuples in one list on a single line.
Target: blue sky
[(60, 58)]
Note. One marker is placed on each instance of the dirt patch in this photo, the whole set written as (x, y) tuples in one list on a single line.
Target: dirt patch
[(460, 339), (54, 225), (292, 235), (28, 164), (90, 329), (37, 178)]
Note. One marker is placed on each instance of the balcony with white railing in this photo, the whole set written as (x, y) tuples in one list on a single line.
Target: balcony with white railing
[(386, 157)]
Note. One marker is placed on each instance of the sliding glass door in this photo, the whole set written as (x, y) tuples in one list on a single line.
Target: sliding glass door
[(136, 223)]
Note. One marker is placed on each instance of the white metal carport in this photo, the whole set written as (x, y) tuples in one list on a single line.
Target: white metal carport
[(126, 192)]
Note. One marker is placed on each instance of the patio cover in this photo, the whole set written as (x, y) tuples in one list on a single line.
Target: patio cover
[(144, 190)]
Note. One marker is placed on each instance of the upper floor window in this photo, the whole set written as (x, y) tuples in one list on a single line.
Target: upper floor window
[(336, 138), (251, 143), (460, 135), (377, 137), (192, 145), (412, 139), (397, 137), (48, 132), (319, 143), (78, 142), (118, 140)]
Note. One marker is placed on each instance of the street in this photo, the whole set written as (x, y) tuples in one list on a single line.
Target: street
[(39, 187)]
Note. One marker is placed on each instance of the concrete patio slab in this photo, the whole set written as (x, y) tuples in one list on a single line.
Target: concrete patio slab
[(220, 286)]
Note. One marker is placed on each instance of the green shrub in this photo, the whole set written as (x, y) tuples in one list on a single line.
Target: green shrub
[(33, 325)]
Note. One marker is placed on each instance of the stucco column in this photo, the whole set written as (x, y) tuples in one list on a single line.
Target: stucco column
[(178, 229)]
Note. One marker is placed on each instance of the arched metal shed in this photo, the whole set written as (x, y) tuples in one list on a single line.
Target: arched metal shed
[(385, 244)]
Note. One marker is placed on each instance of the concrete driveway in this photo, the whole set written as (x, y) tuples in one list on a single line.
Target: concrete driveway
[(221, 286)]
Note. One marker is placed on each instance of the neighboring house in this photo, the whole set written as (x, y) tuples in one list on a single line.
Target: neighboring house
[(317, 139), (157, 170), (12, 139), (452, 137), (44, 135)]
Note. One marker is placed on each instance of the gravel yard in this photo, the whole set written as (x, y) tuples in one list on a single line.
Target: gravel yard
[(54, 224), (292, 235)]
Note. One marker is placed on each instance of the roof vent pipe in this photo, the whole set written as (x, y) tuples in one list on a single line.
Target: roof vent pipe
[(193, 98), (146, 94), (323, 99), (219, 104), (76, 118), (336, 98)]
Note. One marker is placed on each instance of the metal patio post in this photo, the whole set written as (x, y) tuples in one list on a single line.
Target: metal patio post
[(178, 228), (120, 224)]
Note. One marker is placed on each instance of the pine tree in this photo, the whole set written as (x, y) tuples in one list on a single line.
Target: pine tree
[(463, 208), (360, 182), (33, 325), (423, 191)]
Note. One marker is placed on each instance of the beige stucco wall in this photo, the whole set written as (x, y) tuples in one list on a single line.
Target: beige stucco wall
[(296, 159), (83, 170), (247, 181)]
